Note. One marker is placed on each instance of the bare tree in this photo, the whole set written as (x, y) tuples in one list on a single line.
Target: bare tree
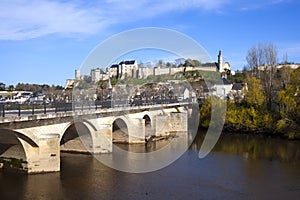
[(264, 54), (261, 54), (270, 51), (252, 59), (261, 58), (286, 72)]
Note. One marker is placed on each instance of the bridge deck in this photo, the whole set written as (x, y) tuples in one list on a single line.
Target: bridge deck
[(83, 111)]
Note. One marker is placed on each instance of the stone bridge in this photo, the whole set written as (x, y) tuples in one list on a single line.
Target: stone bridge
[(33, 143)]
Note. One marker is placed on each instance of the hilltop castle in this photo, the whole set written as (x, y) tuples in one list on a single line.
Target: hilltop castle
[(130, 68)]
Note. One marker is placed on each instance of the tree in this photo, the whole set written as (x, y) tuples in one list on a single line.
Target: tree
[(197, 63), (10, 88), (2, 86), (271, 62), (252, 59), (286, 72), (250, 115), (160, 63), (289, 104), (261, 54), (295, 87), (295, 80), (212, 112), (265, 54), (179, 61), (254, 96)]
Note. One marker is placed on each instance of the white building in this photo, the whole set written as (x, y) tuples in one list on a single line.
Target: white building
[(124, 69), (114, 71), (129, 68), (222, 90), (98, 74)]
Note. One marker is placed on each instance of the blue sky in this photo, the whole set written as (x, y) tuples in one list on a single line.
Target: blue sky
[(43, 41)]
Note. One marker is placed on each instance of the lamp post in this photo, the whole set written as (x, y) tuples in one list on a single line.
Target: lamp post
[(102, 90), (110, 91)]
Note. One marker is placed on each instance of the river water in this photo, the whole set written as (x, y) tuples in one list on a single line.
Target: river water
[(240, 167)]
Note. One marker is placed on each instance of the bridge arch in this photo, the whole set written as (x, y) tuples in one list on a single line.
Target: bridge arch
[(77, 137), (120, 130), (13, 149), (148, 124), (148, 121)]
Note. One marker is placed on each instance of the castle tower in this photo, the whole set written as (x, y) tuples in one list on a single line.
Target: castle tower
[(220, 61), (77, 74)]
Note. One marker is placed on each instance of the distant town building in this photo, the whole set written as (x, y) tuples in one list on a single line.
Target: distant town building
[(291, 66), (223, 89), (97, 75), (114, 71), (69, 83), (124, 69), (129, 68), (237, 92), (77, 75)]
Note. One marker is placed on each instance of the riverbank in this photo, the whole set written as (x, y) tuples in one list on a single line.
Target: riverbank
[(264, 133)]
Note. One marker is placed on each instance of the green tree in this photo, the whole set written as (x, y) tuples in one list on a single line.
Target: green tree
[(254, 96), (114, 81), (212, 105), (10, 88), (251, 115), (205, 113), (2, 86), (287, 102), (289, 98)]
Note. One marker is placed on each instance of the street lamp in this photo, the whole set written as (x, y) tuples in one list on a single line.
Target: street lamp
[(110, 90), (102, 90)]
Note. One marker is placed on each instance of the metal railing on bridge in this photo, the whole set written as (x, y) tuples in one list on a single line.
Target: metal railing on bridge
[(55, 107)]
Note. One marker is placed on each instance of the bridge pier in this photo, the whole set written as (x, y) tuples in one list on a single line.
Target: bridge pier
[(161, 125), (174, 123), (102, 139), (136, 130), (45, 157), (178, 123), (48, 158)]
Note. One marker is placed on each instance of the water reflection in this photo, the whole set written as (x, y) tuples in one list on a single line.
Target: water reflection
[(144, 148), (254, 147), (240, 167)]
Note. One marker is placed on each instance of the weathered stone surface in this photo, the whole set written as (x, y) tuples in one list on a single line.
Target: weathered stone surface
[(36, 140)]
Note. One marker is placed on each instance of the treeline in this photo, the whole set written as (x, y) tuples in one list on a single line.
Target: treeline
[(30, 87), (271, 99)]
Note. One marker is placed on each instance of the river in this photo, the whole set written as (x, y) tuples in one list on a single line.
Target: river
[(239, 167)]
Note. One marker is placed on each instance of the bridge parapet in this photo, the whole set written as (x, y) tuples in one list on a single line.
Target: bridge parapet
[(88, 112)]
